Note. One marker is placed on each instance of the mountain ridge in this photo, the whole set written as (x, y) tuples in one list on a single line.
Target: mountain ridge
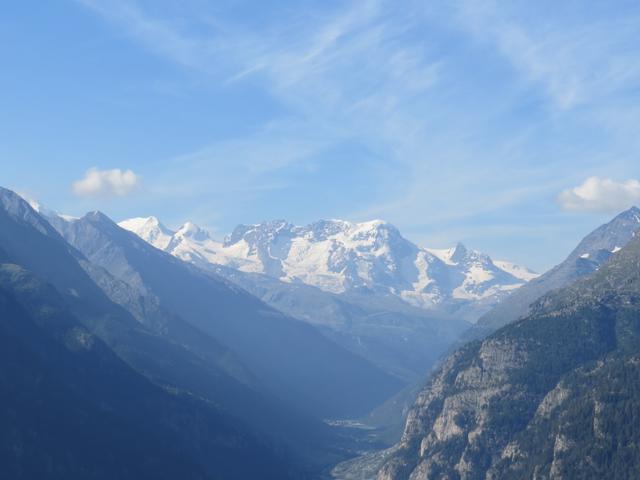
[(593, 251), (54, 357), (338, 257), (173, 360), (238, 320), (542, 396)]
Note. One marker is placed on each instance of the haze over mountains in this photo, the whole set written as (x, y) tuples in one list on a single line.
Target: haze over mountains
[(297, 240), (254, 357), (362, 284), (279, 400), (92, 391)]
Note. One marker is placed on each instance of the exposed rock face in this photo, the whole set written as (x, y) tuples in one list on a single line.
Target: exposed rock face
[(550, 396), (452, 411)]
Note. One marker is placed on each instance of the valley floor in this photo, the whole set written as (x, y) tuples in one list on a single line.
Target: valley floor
[(367, 448)]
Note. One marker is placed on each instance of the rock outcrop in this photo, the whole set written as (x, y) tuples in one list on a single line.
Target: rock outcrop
[(551, 396)]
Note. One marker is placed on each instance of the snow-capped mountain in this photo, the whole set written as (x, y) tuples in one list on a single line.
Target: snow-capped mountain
[(340, 257), (518, 271)]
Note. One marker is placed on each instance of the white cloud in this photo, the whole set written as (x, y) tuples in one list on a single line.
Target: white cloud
[(600, 195), (106, 183)]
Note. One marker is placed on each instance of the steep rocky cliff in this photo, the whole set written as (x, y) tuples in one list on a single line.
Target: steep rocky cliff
[(551, 396)]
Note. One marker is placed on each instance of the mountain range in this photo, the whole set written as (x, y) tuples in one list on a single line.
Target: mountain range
[(197, 337), (167, 354), (310, 370), (363, 285), (340, 257), (594, 252)]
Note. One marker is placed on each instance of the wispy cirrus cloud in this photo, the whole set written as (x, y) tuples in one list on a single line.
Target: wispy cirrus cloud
[(348, 62), (356, 73), (576, 59), (476, 107), (158, 35)]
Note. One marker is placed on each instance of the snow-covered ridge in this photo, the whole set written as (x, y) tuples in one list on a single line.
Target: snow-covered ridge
[(151, 230), (518, 271), (340, 257)]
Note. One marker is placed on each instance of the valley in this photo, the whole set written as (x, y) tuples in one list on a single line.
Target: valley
[(350, 379), (319, 240)]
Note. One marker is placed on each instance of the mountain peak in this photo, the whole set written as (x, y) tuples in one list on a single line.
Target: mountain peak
[(458, 253), (275, 224), (258, 232), (376, 226), (632, 214), (376, 223), (326, 228), (5, 192), (146, 223), (609, 237), (451, 256), (191, 230), (9, 197), (150, 221), (17, 207), (590, 255), (150, 229), (97, 216)]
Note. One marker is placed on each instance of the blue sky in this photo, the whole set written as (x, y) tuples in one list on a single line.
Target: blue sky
[(513, 127)]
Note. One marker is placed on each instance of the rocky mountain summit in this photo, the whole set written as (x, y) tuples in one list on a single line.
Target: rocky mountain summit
[(594, 250)]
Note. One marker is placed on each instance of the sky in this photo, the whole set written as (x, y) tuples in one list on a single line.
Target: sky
[(513, 127)]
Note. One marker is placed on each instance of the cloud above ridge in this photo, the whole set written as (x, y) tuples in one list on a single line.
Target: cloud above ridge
[(600, 195), (106, 183)]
